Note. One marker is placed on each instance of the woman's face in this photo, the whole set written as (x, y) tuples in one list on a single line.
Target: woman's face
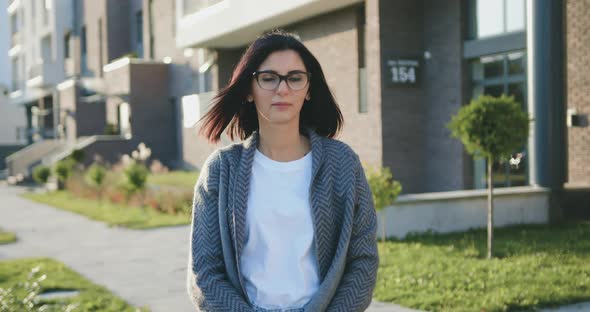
[(283, 104)]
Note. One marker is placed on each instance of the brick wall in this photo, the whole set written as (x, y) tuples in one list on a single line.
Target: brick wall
[(578, 87), (333, 39), (403, 108), (416, 144)]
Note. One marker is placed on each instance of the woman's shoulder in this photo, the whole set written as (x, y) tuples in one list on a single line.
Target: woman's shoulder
[(339, 148), (224, 154)]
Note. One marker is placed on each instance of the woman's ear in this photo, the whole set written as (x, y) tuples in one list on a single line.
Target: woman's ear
[(250, 98), (308, 97)]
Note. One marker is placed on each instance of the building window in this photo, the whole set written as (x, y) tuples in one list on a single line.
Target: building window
[(496, 75), (84, 50), (46, 50), (100, 52), (15, 75), (139, 33), (151, 28), (363, 106), (489, 18), (14, 31), (67, 52), (192, 6), (204, 76)]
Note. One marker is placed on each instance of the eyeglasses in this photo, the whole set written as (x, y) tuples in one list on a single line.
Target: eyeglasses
[(269, 80)]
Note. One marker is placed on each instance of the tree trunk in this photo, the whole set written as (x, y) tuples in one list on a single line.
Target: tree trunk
[(490, 210), (383, 226)]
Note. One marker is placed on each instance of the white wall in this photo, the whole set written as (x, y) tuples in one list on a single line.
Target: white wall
[(457, 211)]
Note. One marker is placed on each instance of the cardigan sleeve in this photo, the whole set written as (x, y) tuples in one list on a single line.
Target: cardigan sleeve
[(208, 286), (355, 291)]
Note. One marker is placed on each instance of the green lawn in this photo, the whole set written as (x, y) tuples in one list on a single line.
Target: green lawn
[(130, 217), (536, 266), (59, 277), (184, 179), (7, 237)]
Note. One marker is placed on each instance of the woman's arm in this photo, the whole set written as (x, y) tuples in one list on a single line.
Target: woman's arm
[(355, 291), (208, 286)]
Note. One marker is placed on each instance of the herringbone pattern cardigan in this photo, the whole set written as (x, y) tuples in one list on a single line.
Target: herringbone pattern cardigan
[(344, 221)]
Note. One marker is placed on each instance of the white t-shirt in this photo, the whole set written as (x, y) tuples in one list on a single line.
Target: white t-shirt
[(279, 275)]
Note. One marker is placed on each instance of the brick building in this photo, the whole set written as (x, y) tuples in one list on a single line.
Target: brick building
[(398, 69)]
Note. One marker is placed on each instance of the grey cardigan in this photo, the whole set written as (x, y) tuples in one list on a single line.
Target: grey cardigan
[(344, 222)]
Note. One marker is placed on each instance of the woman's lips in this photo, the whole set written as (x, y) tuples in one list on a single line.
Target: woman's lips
[(281, 104)]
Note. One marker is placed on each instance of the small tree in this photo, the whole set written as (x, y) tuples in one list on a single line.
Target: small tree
[(63, 170), (41, 174), (135, 179), (491, 128), (95, 176), (384, 189)]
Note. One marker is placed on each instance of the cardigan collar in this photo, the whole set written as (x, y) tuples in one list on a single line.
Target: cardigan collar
[(321, 224), (251, 143)]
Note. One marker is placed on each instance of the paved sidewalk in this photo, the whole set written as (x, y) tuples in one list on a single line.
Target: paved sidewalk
[(146, 268)]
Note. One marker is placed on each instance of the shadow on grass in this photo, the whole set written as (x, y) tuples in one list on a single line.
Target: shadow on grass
[(567, 238)]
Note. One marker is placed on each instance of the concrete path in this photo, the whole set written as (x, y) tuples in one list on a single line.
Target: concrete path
[(146, 268)]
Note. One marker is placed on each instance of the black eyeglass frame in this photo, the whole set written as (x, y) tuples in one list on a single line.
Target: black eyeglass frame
[(281, 78)]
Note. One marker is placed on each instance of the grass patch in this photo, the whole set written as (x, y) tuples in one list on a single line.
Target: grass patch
[(7, 237), (59, 277), (113, 214), (536, 267), (184, 179)]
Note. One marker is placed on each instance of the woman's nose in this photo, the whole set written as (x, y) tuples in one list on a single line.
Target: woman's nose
[(282, 87)]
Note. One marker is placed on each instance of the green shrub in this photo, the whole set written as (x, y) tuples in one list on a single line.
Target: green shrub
[(96, 174), (384, 189), (41, 174), (135, 177), (77, 155), (110, 129), (63, 169)]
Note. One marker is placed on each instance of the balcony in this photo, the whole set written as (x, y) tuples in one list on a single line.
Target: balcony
[(243, 20), (12, 5), (42, 75)]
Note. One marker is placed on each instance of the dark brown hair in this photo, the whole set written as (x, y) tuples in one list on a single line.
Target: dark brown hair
[(321, 113)]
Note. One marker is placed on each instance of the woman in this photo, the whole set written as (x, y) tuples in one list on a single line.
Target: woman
[(283, 221)]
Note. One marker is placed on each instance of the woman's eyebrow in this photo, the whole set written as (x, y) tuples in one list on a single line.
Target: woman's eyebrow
[(275, 72)]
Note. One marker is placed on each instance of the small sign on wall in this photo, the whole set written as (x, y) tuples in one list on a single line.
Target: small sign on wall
[(403, 72)]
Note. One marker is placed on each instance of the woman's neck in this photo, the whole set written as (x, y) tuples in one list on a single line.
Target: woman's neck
[(282, 143)]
